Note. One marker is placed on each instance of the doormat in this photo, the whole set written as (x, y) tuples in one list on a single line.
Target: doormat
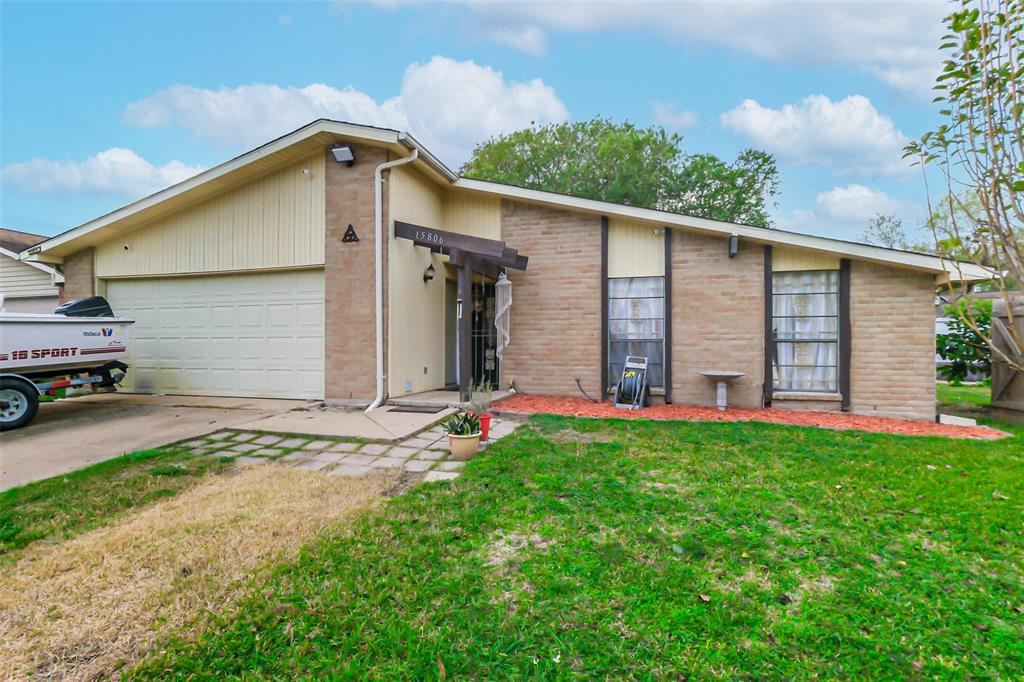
[(418, 409)]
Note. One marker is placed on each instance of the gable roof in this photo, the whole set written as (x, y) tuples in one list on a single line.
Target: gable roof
[(55, 277), (16, 240), (318, 134), (287, 148)]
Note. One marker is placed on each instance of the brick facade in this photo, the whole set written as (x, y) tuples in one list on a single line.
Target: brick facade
[(717, 308), (717, 318), (556, 308), (349, 321), (79, 275), (892, 315)]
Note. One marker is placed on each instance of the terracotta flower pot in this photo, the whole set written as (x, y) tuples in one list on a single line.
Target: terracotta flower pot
[(463, 447), (485, 424)]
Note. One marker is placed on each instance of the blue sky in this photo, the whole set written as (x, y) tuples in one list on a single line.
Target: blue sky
[(105, 102)]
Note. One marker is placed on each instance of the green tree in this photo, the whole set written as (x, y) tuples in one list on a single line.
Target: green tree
[(886, 229), (964, 345), (628, 164), (978, 150)]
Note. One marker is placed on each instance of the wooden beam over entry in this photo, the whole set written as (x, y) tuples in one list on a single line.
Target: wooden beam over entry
[(477, 248), (442, 239), (469, 255)]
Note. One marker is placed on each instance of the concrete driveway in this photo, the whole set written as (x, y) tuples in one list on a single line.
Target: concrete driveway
[(71, 434)]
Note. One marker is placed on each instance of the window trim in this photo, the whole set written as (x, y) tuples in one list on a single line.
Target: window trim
[(665, 335), (841, 339)]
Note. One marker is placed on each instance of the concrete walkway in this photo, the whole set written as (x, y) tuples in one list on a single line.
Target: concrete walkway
[(74, 433), (424, 455), (382, 424)]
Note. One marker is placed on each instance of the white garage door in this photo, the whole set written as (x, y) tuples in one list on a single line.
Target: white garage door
[(258, 335)]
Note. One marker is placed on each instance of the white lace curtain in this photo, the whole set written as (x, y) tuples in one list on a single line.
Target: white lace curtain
[(805, 312), (502, 312)]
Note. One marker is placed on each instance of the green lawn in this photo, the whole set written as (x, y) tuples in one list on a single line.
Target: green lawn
[(64, 506), (969, 398), (655, 550)]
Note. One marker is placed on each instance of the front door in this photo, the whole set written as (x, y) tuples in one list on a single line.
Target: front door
[(484, 337)]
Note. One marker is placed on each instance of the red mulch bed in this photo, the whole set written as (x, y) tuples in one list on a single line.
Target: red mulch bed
[(579, 407)]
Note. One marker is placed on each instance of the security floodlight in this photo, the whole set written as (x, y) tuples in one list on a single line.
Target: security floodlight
[(344, 154), (428, 274)]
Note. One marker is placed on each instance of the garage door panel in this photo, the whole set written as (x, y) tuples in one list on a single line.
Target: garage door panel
[(257, 335), (169, 350), (308, 349), (255, 315), (196, 318), (309, 315), (255, 350), (193, 347), (170, 319)]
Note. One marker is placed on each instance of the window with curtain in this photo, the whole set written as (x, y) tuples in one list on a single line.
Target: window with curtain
[(636, 325), (805, 320)]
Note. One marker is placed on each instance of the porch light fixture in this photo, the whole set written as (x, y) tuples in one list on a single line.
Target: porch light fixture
[(344, 154), (428, 274), (734, 245)]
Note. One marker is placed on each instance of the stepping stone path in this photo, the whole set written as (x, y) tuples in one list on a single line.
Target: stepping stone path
[(423, 456)]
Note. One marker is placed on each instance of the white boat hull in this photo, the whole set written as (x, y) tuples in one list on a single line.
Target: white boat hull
[(48, 343)]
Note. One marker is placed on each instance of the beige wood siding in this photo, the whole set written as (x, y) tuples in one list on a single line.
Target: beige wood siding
[(635, 249), (275, 221), (794, 260), (475, 214), (18, 279), (416, 312)]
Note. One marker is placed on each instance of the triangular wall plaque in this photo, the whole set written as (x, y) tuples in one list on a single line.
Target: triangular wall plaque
[(350, 235)]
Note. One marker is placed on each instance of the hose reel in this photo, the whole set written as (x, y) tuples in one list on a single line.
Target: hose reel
[(631, 391)]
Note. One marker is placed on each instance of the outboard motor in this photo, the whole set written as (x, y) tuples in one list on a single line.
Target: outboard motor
[(93, 306)]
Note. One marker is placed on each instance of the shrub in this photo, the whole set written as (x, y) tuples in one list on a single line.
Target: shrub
[(964, 346)]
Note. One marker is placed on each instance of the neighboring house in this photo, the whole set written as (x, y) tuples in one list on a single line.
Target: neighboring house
[(259, 277), (26, 287)]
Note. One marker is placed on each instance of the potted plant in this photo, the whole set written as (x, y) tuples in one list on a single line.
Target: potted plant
[(463, 429), (480, 405)]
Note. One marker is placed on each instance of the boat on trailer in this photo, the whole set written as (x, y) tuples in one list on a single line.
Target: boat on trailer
[(80, 344)]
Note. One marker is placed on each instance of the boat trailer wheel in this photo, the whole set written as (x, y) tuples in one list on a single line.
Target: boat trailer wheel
[(18, 403)]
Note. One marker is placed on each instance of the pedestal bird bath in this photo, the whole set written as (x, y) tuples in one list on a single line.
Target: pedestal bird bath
[(722, 378)]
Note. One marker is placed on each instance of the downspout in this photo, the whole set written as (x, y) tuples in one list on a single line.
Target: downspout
[(378, 254)]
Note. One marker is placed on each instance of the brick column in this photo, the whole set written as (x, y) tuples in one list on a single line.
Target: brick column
[(349, 322), (892, 313), (556, 302), (79, 275), (717, 318)]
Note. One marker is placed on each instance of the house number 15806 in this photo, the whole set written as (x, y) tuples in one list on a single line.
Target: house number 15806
[(429, 237)]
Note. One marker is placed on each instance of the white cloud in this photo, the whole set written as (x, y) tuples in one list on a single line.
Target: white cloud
[(285, 20), (895, 42), (669, 115), (117, 172), (843, 212), (449, 105), (856, 204), (527, 38), (850, 135)]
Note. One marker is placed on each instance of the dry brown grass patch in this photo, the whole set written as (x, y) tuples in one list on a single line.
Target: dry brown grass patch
[(505, 548), (82, 609)]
